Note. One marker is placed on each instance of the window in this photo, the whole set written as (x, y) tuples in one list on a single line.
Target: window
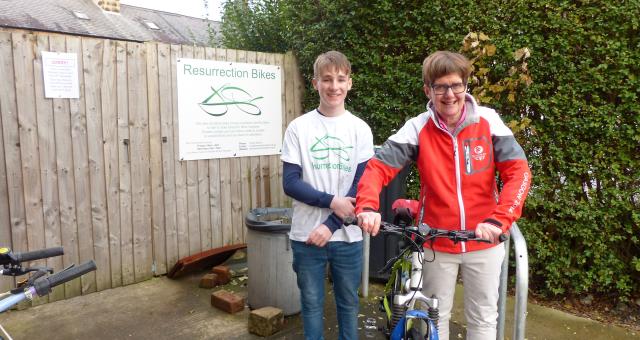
[(151, 25), (80, 15)]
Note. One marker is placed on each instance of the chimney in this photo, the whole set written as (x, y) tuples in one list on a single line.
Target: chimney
[(109, 5)]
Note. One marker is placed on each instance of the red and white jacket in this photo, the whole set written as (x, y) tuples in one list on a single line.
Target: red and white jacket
[(457, 173)]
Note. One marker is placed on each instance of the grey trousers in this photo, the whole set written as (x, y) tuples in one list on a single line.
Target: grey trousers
[(481, 279)]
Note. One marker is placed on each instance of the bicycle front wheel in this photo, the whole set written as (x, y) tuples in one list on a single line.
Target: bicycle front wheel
[(414, 334)]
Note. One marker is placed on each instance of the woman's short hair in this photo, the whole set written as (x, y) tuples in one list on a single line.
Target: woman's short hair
[(441, 63), (331, 59)]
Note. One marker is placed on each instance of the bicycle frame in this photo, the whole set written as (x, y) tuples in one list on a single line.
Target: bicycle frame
[(14, 299), (413, 293), (405, 295), (402, 313), (39, 284), (400, 330)]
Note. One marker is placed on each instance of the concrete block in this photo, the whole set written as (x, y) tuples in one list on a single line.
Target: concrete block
[(209, 280), (224, 274), (227, 301), (266, 321)]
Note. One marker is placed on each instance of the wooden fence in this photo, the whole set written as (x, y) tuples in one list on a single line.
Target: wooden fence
[(100, 175)]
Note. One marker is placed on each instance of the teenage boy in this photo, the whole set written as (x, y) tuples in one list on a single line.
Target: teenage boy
[(324, 154)]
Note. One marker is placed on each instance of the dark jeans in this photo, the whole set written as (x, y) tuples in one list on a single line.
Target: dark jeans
[(345, 263)]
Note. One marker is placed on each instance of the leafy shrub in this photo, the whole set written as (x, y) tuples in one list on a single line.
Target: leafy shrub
[(573, 104)]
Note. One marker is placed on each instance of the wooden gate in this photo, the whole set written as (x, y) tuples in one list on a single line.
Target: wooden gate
[(100, 175)]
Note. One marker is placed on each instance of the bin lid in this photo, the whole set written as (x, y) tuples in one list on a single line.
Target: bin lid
[(269, 219)]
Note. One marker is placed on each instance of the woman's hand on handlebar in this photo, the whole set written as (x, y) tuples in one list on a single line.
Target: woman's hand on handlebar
[(489, 232), (369, 221)]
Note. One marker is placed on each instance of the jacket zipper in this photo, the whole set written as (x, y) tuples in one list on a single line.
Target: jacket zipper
[(459, 188), (458, 181)]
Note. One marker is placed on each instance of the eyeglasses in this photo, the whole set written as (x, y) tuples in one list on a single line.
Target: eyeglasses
[(442, 89)]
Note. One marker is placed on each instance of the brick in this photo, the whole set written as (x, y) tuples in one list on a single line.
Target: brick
[(224, 274), (209, 280), (227, 301), (266, 321)]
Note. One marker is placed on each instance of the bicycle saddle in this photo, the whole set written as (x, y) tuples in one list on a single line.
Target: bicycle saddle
[(404, 211)]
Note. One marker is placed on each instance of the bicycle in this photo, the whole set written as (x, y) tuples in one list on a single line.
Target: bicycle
[(38, 284), (404, 288)]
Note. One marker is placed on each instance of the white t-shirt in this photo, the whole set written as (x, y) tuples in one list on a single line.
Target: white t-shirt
[(328, 149)]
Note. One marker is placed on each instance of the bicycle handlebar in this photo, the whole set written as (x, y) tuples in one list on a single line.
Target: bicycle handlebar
[(39, 254), (8, 257), (503, 237), (425, 232), (457, 235), (43, 285), (350, 220)]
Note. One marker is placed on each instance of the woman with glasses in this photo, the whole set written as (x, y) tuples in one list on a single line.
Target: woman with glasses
[(458, 146)]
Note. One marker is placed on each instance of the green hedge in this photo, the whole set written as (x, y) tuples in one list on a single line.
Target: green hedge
[(573, 104)]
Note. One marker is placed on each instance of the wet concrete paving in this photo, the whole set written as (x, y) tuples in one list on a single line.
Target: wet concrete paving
[(162, 308)]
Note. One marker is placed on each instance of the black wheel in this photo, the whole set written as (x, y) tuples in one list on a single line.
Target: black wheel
[(414, 334)]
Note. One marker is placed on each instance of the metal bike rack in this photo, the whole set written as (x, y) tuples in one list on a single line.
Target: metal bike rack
[(364, 282), (522, 285)]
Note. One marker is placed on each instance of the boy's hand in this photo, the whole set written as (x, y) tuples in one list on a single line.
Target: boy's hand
[(489, 232), (343, 206), (369, 221), (319, 236)]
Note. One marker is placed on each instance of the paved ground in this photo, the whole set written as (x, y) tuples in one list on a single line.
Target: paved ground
[(162, 308)]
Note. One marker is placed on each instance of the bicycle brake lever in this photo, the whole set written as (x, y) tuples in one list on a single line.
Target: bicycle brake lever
[(40, 269), (26, 283), (16, 271), (38, 274)]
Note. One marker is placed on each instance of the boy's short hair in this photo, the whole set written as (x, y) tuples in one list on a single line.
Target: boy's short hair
[(441, 63), (333, 59)]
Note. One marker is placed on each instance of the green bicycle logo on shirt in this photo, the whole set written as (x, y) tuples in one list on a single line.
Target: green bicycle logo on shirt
[(218, 103), (326, 145)]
